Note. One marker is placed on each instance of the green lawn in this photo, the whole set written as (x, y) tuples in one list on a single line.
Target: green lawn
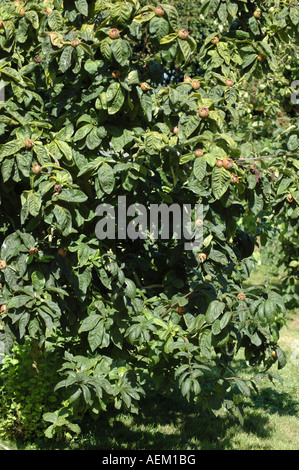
[(169, 423)]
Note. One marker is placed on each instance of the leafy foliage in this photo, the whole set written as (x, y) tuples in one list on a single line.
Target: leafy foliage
[(74, 133)]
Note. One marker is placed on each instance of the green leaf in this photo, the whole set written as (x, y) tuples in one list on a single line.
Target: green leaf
[(220, 181), (82, 132), (130, 289), (82, 7), (158, 27), (38, 281), (11, 148), (72, 195), (66, 58), (200, 167), (214, 311), (55, 20), (89, 323), (34, 202), (64, 219), (121, 51), (106, 178)]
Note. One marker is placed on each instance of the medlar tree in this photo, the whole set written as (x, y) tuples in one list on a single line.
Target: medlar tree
[(87, 118)]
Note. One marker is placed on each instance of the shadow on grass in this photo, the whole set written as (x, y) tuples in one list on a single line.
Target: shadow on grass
[(272, 401), (168, 424)]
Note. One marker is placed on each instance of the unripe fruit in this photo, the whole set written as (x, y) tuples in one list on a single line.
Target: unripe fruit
[(61, 252), (175, 130), (215, 40), (273, 354), (22, 11), (159, 11), (199, 223), (198, 153), (113, 33), (219, 163), (75, 43), (145, 86), (257, 14), (1, 24), (2, 265), (202, 257), (183, 33), (180, 310), (195, 84), (3, 309), (33, 251), (187, 78), (228, 163), (229, 82), (36, 169), (116, 74), (203, 112), (29, 143), (48, 11), (241, 296), (260, 58), (290, 198)]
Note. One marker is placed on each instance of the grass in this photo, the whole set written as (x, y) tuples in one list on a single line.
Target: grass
[(169, 423)]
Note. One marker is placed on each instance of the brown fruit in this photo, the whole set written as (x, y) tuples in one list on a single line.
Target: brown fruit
[(37, 59), (175, 130), (33, 251), (202, 257), (159, 11), (187, 78), (273, 354), (183, 33), (241, 296), (199, 223), (29, 143), (2, 265), (3, 309), (1, 24), (229, 82), (234, 178), (113, 33), (195, 84), (260, 58), (203, 112), (116, 74), (75, 42), (199, 153), (36, 169), (180, 310), (145, 86), (48, 11), (228, 163), (22, 11), (219, 163), (257, 14), (290, 198), (215, 40), (61, 252), (58, 188)]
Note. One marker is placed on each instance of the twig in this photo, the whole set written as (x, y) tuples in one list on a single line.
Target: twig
[(175, 303)]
